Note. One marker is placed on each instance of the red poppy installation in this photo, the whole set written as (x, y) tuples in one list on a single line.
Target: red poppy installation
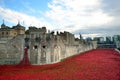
[(25, 61), (99, 64)]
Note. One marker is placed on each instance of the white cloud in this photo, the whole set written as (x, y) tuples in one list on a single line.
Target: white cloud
[(79, 13), (89, 35), (13, 17), (92, 35), (65, 15)]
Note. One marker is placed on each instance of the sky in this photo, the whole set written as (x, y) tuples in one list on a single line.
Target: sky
[(91, 18)]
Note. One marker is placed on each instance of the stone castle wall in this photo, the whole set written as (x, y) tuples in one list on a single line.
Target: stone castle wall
[(45, 51), (11, 51), (55, 50)]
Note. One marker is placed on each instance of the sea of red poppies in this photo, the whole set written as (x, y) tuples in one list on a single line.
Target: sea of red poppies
[(99, 64)]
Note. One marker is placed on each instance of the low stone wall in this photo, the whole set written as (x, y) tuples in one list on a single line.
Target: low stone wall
[(76, 49)]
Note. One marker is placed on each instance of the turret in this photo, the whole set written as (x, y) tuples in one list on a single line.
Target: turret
[(19, 28), (3, 25)]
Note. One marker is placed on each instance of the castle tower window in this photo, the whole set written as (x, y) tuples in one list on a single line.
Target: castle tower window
[(26, 40), (44, 46), (27, 46), (2, 33), (7, 33), (35, 47)]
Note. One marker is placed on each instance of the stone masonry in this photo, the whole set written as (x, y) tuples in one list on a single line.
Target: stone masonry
[(43, 47)]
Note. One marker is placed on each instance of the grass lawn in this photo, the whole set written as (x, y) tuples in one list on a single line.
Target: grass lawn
[(100, 64)]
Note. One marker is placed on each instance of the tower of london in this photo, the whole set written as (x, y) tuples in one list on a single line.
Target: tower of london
[(44, 47)]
